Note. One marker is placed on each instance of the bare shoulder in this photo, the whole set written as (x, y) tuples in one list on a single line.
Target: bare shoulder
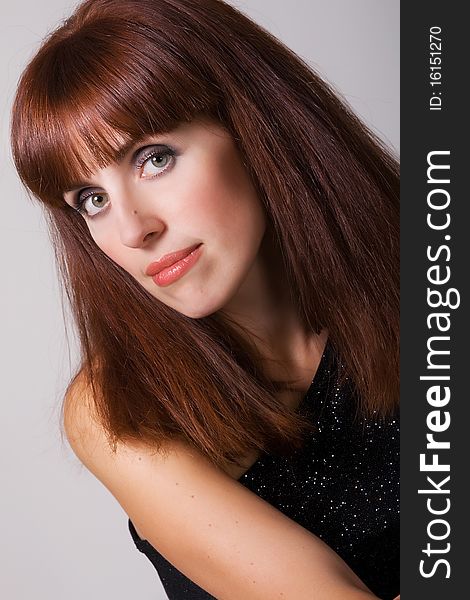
[(218, 533), (82, 428)]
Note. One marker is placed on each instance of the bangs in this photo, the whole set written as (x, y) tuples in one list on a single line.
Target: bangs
[(89, 94)]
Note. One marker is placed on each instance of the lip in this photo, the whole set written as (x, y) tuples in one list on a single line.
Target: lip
[(168, 260), (174, 265)]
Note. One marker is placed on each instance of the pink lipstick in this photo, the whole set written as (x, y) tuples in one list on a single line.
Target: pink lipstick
[(173, 266)]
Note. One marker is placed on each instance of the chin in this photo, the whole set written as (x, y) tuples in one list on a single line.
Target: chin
[(198, 300), (198, 306), (195, 311)]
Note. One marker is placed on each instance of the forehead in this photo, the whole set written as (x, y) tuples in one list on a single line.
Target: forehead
[(90, 91), (93, 165), (198, 131), (82, 153), (69, 143)]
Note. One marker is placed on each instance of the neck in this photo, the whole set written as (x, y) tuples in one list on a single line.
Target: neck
[(266, 313)]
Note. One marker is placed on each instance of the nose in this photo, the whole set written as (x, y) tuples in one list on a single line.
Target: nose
[(138, 223)]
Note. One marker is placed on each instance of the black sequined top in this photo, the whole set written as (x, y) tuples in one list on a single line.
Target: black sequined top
[(343, 486)]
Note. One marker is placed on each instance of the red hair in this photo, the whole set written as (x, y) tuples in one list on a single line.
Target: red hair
[(118, 70)]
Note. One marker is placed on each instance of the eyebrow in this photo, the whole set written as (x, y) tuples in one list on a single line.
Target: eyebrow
[(76, 185), (121, 154), (119, 157), (123, 150)]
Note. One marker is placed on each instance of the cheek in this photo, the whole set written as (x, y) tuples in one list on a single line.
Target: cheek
[(111, 246), (228, 219), (225, 202)]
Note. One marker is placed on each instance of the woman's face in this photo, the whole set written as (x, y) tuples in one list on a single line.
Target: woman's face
[(184, 201)]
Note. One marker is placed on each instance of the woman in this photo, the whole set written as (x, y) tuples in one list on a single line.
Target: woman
[(227, 233)]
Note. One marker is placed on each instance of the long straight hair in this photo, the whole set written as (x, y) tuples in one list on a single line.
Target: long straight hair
[(118, 70)]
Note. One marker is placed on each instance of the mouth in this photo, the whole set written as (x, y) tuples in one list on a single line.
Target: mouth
[(174, 265)]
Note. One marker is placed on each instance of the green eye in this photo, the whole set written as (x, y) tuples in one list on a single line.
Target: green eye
[(153, 161), (91, 203), (97, 198), (155, 164)]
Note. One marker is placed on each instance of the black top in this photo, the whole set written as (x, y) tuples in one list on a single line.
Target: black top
[(343, 486)]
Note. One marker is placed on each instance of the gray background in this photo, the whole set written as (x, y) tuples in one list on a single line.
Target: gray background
[(62, 534)]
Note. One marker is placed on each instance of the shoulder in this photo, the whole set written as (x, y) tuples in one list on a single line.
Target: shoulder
[(82, 426), (92, 444), (209, 526)]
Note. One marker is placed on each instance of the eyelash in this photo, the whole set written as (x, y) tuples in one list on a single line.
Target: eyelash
[(142, 157)]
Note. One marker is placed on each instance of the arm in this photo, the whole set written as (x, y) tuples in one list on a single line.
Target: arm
[(226, 539)]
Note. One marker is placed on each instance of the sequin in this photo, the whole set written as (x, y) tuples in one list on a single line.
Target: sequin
[(342, 485)]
